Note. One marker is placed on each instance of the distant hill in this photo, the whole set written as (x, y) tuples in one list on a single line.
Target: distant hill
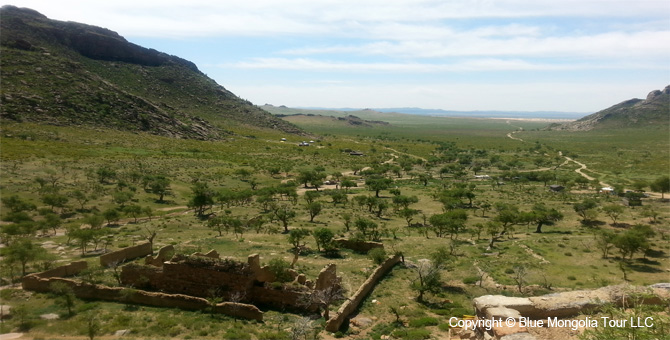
[(445, 113), (68, 73), (651, 112)]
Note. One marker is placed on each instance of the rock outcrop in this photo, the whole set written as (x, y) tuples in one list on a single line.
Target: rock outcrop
[(654, 111)]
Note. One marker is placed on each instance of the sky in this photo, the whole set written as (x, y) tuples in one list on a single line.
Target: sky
[(507, 55)]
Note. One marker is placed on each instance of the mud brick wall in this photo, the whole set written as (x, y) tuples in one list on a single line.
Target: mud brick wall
[(126, 254), (349, 306), (116, 294), (142, 277), (182, 278), (359, 246), (71, 269), (283, 299)]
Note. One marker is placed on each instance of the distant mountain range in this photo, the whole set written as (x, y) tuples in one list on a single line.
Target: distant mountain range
[(652, 112), (68, 73), (476, 114)]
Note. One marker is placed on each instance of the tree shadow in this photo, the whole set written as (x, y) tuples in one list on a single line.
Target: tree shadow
[(643, 268), (655, 253)]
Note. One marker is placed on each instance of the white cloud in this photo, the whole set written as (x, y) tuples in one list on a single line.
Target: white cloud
[(270, 17), (469, 65)]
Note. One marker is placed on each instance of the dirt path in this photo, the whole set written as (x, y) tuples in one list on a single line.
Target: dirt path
[(511, 134)]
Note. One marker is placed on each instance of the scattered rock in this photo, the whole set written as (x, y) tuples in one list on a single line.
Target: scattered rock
[(5, 312), (50, 316), (362, 322), (122, 332)]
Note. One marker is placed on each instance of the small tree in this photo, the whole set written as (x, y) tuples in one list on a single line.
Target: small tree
[(662, 185), (284, 214), (613, 211), (111, 215), (428, 278), (323, 238), (64, 296), (22, 251), (314, 209), (296, 238)]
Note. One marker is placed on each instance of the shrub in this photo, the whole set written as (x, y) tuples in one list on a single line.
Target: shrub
[(470, 280), (412, 334), (377, 255), (572, 278), (423, 322)]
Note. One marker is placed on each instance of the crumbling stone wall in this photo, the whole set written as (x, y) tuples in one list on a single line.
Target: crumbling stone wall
[(161, 257), (71, 269), (349, 306), (232, 280), (358, 246), (84, 290), (126, 254)]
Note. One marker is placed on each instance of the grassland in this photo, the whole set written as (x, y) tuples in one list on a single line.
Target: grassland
[(39, 159)]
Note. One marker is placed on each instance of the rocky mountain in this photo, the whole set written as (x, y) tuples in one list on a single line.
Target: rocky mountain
[(69, 73), (651, 112)]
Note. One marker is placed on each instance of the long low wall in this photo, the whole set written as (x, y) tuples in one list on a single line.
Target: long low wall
[(359, 246), (83, 290), (350, 306), (126, 254), (71, 269)]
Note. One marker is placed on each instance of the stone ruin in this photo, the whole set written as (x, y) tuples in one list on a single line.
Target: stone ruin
[(557, 305), (188, 282), (207, 276)]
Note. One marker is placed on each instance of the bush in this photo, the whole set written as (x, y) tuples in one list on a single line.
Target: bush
[(412, 334), (377, 255), (470, 280), (423, 322), (279, 268), (572, 278)]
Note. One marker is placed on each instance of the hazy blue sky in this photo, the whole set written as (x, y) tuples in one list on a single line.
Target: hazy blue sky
[(560, 55)]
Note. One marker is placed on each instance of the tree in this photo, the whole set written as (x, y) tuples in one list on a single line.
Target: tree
[(378, 184), (159, 185), (16, 204), (111, 215), (296, 238), (451, 222), (121, 197), (543, 215), (64, 296), (605, 241), (284, 214), (105, 174), (582, 208), (662, 185), (408, 215), (22, 251), (613, 211), (403, 202), (323, 238), (203, 198), (52, 221), (314, 209), (428, 278), (133, 210), (80, 197), (311, 196), (367, 228), (347, 183), (55, 200), (630, 242)]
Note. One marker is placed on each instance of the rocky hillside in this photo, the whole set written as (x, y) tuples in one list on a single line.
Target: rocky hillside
[(68, 73), (653, 111)]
